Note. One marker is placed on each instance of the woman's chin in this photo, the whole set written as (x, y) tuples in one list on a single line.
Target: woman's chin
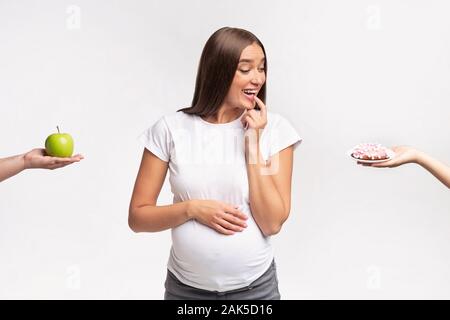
[(247, 105)]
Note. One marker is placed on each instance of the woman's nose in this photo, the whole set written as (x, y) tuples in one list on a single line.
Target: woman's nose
[(257, 79)]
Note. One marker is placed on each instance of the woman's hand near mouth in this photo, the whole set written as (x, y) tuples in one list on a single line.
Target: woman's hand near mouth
[(254, 119), (254, 123)]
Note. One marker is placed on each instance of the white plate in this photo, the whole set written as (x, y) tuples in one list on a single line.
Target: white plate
[(390, 154)]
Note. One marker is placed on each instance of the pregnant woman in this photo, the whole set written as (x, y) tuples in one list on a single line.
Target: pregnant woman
[(230, 164)]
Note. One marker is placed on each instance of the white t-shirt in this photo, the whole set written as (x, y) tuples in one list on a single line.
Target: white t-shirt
[(207, 161)]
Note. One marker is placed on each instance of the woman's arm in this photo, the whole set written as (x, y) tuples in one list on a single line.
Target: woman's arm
[(35, 158), (11, 166), (405, 154), (269, 184), (435, 167), (144, 215), (269, 187)]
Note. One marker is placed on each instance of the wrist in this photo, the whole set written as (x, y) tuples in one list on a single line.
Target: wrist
[(189, 209), (420, 158), (23, 162)]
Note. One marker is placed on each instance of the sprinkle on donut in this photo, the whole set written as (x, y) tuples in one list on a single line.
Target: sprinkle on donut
[(370, 151)]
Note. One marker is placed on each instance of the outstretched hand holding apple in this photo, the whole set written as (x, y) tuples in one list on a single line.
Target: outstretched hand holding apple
[(57, 154), (38, 158)]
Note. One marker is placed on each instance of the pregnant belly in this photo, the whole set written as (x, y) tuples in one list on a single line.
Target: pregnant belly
[(201, 248)]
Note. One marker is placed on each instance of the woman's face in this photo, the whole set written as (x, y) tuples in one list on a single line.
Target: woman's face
[(249, 77)]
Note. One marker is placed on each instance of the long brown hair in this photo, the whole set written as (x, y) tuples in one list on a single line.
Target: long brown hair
[(217, 67)]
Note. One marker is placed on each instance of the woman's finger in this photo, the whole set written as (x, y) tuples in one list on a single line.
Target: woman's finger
[(234, 220), (385, 164), (254, 114), (262, 106), (236, 212), (365, 164), (250, 122), (78, 156), (222, 230), (63, 160), (230, 226)]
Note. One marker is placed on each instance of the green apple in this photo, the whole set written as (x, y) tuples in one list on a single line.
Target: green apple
[(59, 145)]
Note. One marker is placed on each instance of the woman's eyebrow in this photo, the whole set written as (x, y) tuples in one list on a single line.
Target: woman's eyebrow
[(251, 60)]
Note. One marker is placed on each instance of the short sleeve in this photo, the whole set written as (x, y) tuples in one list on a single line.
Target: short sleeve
[(157, 139), (280, 136)]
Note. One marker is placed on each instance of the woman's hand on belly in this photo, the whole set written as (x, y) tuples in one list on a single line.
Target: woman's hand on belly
[(222, 217)]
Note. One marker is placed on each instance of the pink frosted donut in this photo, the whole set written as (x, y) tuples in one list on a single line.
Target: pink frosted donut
[(370, 151)]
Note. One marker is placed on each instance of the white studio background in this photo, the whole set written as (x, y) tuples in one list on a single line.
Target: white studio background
[(342, 72)]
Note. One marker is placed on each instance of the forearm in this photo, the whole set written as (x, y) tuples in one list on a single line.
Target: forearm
[(11, 166), (266, 202), (151, 218), (435, 167)]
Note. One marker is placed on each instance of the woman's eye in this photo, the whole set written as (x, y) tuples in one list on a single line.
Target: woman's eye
[(247, 71)]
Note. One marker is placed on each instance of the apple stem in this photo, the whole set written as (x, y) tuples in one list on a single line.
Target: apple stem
[(57, 127)]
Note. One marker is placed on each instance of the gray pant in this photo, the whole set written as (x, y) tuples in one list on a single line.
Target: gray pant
[(263, 288)]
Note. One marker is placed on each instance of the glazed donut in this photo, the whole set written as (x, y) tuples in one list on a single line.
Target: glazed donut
[(370, 151)]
